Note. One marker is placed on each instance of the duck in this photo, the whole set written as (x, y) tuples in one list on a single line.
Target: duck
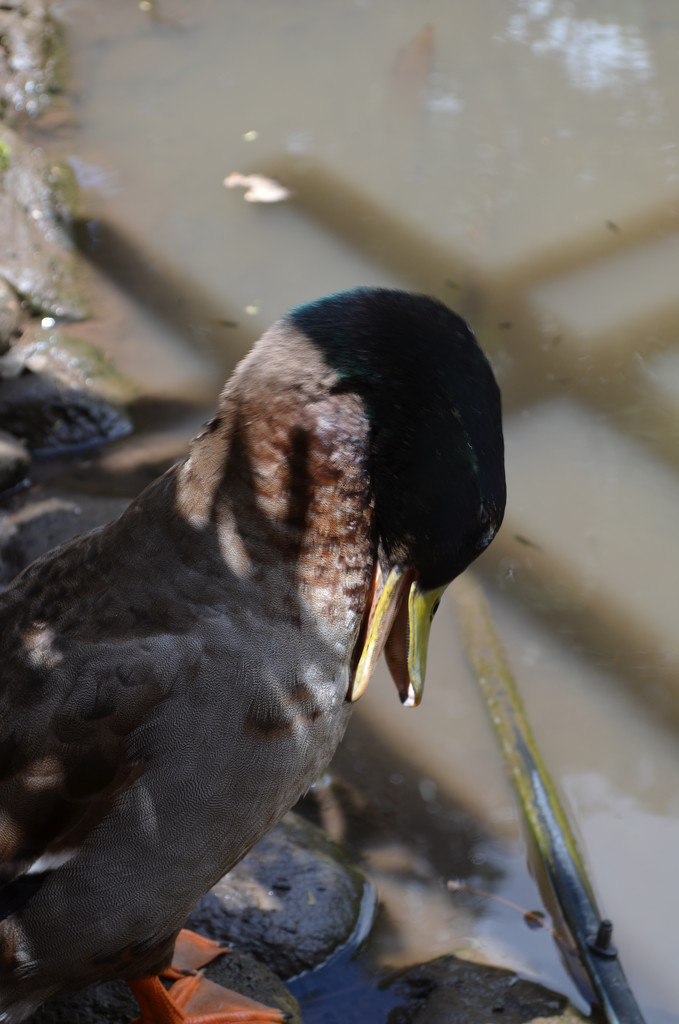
[(173, 682)]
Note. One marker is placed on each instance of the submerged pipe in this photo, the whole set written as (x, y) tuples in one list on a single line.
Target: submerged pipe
[(543, 810)]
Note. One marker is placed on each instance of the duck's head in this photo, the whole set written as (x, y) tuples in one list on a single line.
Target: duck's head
[(437, 457)]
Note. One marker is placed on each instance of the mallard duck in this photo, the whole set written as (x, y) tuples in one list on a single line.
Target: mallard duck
[(173, 682)]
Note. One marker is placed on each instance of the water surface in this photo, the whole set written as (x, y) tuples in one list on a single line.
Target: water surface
[(519, 160)]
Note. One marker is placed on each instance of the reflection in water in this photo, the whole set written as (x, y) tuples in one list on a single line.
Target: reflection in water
[(597, 55)]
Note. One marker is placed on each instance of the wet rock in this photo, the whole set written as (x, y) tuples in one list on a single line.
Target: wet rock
[(14, 461), (450, 990), (59, 392), (107, 1004), (292, 901), (72, 361), (113, 1003), (31, 58), (244, 974), (49, 417), (28, 529), (38, 258)]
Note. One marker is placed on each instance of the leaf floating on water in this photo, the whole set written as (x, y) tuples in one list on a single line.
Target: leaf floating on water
[(260, 189), (534, 919)]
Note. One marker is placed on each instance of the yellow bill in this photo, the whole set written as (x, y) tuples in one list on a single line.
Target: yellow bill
[(400, 628)]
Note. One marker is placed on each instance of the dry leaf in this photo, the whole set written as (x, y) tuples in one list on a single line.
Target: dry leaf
[(260, 189)]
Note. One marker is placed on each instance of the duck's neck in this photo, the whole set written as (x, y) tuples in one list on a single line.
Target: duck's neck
[(285, 482)]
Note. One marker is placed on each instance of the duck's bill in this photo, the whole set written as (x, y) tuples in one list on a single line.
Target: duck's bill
[(398, 624)]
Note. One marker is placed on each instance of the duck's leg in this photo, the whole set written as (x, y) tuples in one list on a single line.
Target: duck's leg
[(193, 999)]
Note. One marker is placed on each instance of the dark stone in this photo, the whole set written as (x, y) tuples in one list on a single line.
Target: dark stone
[(99, 1004), (60, 392), (51, 417), (113, 1003), (292, 902), (243, 973), (450, 990)]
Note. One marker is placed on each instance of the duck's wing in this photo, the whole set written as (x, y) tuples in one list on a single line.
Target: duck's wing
[(59, 775), (67, 711)]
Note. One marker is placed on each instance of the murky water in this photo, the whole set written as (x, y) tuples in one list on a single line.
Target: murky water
[(520, 160)]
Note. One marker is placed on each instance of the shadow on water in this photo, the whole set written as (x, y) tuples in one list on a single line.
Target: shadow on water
[(152, 281), (363, 808), (495, 302)]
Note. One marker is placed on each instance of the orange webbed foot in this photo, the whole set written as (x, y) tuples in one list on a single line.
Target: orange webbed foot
[(193, 999), (191, 952)]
